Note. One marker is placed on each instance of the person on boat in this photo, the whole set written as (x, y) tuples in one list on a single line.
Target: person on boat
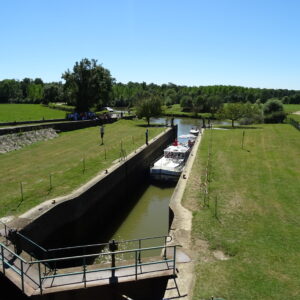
[(175, 143)]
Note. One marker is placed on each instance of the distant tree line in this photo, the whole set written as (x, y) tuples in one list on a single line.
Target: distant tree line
[(31, 91), (90, 86), (204, 98)]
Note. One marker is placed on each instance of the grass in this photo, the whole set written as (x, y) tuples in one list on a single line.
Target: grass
[(28, 112), (258, 214), (290, 108), (64, 157), (295, 117)]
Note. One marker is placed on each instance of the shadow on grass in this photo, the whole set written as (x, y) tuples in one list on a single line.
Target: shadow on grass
[(239, 127), (151, 125)]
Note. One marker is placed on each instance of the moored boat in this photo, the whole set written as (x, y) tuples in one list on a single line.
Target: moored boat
[(169, 167), (194, 131)]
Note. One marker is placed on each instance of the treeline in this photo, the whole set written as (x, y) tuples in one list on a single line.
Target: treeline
[(197, 98), (31, 91), (127, 94)]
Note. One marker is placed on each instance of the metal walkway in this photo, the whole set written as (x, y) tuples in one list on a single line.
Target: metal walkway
[(109, 266)]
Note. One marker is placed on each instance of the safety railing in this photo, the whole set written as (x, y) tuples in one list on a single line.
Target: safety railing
[(6, 230), (44, 270), (139, 244), (13, 261)]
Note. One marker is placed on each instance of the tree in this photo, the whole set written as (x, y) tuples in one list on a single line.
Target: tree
[(10, 90), (215, 102), (234, 112), (35, 92), (53, 92), (186, 103), (273, 111), (88, 85), (149, 107), (198, 104)]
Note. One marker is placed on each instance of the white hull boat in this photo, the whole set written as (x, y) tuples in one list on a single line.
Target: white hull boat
[(170, 166), (194, 131)]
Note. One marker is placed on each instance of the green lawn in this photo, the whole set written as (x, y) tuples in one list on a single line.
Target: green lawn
[(258, 214), (28, 112), (63, 158), (290, 108)]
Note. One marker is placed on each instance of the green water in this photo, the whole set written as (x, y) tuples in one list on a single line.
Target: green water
[(150, 215)]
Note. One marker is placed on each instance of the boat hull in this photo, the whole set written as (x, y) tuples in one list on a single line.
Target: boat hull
[(164, 175)]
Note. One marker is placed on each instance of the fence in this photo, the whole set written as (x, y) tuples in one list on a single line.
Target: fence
[(295, 123), (86, 167)]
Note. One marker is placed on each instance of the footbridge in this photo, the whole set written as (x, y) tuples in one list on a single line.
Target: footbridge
[(114, 263)]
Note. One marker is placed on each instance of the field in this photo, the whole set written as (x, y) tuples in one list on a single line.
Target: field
[(28, 112), (72, 159), (247, 234), (290, 108)]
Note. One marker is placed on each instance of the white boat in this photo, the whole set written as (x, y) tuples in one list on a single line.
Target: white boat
[(194, 131), (170, 166)]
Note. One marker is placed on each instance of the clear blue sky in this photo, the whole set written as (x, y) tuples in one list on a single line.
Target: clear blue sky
[(252, 43)]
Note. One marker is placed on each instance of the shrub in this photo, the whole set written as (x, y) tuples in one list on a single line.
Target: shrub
[(273, 111)]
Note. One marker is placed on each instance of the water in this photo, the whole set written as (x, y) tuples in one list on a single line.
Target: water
[(150, 215)]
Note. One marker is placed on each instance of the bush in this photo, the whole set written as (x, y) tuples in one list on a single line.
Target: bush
[(274, 111), (275, 117)]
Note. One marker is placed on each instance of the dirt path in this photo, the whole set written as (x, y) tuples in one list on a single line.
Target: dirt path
[(296, 112)]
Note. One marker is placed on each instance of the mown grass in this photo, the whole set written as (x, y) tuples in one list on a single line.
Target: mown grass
[(64, 157), (290, 108), (258, 214), (28, 112)]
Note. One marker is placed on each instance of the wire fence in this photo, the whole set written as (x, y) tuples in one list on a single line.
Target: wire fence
[(295, 123), (89, 165)]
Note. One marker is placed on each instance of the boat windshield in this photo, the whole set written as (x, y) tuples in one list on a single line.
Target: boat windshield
[(174, 155)]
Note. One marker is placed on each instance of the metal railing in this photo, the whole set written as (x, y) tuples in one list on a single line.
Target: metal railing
[(165, 261)]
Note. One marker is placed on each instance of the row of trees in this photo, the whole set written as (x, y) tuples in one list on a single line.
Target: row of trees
[(270, 112), (31, 91), (187, 97), (89, 85)]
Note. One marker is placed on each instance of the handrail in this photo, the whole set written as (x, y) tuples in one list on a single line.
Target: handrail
[(112, 268), (31, 242), (5, 229), (13, 253), (106, 244), (101, 253)]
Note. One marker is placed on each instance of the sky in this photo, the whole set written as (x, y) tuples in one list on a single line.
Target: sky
[(251, 43)]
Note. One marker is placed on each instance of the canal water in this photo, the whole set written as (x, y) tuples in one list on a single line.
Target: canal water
[(150, 215)]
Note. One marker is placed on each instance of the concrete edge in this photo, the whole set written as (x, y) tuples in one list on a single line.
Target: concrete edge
[(181, 227)]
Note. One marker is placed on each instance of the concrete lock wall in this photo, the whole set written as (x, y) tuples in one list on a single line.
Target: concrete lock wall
[(148, 289), (73, 220)]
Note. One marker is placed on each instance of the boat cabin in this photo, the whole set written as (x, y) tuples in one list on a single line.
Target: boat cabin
[(176, 152)]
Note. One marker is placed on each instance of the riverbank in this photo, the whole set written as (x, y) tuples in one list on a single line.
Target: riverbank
[(245, 230)]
